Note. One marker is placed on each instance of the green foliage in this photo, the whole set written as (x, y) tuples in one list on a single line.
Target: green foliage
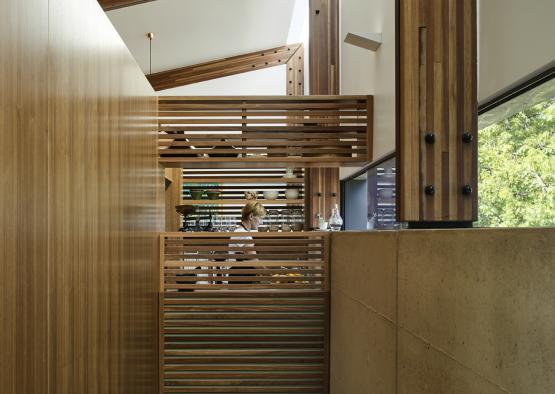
[(517, 169)]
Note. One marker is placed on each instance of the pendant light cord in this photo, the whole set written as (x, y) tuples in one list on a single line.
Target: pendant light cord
[(150, 37)]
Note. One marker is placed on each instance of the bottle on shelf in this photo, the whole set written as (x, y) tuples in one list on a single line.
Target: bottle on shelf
[(335, 222)]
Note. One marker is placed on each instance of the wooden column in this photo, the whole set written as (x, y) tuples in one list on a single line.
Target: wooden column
[(323, 183), (295, 73), (174, 182), (324, 47), (437, 108), (323, 186)]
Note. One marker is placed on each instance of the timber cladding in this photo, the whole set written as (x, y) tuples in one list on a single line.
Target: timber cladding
[(264, 131), (78, 205), (230, 66), (437, 126), (236, 322)]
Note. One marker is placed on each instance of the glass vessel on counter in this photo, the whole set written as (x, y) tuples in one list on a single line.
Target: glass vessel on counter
[(335, 222)]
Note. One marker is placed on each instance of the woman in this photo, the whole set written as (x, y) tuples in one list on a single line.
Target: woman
[(251, 217)]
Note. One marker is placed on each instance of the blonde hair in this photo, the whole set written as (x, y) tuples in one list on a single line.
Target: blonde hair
[(254, 207)]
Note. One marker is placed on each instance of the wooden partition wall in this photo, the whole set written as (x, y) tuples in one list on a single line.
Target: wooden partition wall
[(265, 131), (79, 213), (23, 206), (237, 322)]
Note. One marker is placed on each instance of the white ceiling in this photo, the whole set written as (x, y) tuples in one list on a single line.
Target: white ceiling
[(194, 31)]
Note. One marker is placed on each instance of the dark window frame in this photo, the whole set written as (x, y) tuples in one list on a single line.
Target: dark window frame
[(517, 90)]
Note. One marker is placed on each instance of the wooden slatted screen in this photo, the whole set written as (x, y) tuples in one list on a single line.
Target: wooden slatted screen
[(237, 322), (269, 131)]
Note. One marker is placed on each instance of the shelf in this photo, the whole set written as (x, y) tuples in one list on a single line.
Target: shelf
[(242, 201), (243, 180)]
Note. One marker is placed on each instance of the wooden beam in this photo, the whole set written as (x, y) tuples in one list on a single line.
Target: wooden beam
[(223, 67), (324, 46), (109, 5), (295, 73)]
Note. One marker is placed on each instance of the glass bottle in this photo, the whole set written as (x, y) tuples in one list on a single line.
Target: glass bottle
[(335, 222)]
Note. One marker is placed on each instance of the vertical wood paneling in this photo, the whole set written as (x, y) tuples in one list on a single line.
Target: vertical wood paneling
[(437, 90), (23, 196), (78, 205), (103, 213)]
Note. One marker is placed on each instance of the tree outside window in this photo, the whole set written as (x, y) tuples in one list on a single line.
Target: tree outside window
[(517, 169)]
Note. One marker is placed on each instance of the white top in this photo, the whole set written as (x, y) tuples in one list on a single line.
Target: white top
[(241, 229)]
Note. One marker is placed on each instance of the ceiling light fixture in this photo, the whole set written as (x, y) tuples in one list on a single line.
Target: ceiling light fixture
[(150, 37)]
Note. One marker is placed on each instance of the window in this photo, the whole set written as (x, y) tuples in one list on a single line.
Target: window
[(516, 160), (368, 197)]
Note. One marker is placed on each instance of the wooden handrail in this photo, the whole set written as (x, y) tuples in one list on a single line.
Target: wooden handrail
[(265, 131)]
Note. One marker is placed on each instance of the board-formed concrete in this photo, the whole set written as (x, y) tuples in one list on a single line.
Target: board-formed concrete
[(470, 311)]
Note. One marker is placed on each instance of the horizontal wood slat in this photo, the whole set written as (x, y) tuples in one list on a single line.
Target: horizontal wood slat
[(271, 131), (243, 323)]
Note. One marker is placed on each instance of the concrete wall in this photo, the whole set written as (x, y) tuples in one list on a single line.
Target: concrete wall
[(366, 72), (515, 40), (452, 311)]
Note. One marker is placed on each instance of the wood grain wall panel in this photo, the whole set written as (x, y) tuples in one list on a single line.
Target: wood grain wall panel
[(23, 200), (103, 209), (78, 212), (437, 96)]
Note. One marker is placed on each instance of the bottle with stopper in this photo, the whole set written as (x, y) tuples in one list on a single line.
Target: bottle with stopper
[(335, 222)]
